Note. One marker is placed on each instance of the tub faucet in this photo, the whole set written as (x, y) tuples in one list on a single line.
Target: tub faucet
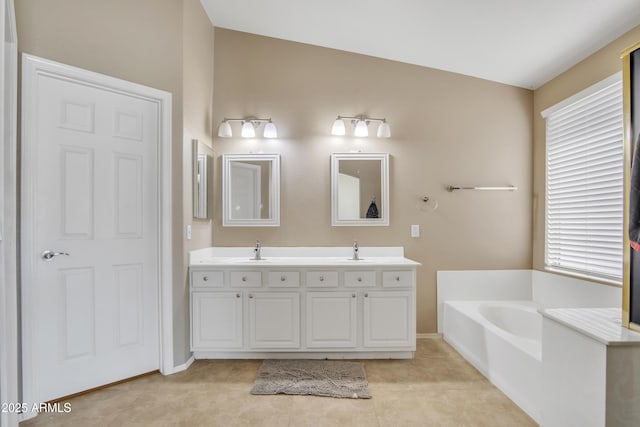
[(257, 251), (356, 250)]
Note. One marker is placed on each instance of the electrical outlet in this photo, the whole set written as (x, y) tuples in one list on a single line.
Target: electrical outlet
[(415, 230), (189, 232)]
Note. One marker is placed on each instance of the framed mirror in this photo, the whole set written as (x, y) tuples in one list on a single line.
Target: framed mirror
[(201, 166), (360, 189), (250, 190)]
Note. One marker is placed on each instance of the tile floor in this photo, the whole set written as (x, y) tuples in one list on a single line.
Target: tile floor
[(437, 388)]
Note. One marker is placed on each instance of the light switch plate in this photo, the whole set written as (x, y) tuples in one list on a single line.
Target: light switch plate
[(189, 232), (415, 230)]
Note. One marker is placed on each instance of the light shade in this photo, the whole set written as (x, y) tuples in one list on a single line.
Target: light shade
[(270, 130), (248, 130), (361, 129), (224, 130), (338, 127), (384, 131)]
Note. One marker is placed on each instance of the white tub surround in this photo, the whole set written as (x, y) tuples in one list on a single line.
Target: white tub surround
[(490, 317), (482, 285), (502, 340), (302, 302), (591, 369)]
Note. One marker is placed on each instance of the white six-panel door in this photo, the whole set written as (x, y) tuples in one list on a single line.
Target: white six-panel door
[(94, 312)]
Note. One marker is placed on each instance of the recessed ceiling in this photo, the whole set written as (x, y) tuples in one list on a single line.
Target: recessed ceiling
[(522, 43)]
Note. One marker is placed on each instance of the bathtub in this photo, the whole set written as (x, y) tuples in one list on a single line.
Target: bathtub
[(503, 340)]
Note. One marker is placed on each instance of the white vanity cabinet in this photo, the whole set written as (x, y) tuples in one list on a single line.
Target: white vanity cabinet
[(332, 319), (216, 319), (274, 320), (386, 323), (302, 306)]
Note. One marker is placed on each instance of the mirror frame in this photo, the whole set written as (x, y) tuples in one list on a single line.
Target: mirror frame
[(274, 190), (201, 155), (384, 189)]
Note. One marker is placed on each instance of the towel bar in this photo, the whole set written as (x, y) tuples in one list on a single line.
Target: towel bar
[(503, 188)]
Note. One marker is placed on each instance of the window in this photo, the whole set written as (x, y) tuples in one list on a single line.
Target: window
[(584, 185)]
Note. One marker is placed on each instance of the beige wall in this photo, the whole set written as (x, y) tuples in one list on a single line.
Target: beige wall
[(197, 86), (143, 41), (596, 67), (447, 129)]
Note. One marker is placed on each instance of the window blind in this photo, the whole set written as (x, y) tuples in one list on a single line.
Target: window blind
[(584, 186)]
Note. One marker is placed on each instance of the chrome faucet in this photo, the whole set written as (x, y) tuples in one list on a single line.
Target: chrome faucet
[(256, 251), (356, 250)]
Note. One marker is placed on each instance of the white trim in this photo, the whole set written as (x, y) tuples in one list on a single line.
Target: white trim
[(32, 67), (183, 367), (9, 364), (247, 355), (614, 78)]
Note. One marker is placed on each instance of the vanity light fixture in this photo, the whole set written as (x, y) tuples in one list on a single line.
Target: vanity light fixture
[(361, 124), (249, 126)]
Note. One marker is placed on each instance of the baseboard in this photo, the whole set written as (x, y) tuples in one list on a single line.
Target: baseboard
[(431, 335), (182, 367)]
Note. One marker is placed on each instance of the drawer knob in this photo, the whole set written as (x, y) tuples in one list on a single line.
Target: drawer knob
[(366, 295), (244, 278), (205, 278), (237, 295), (322, 278), (250, 295), (397, 278), (359, 279), (353, 295), (283, 278)]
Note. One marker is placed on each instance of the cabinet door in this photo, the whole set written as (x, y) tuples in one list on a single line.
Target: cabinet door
[(331, 319), (216, 320), (389, 319), (274, 320)]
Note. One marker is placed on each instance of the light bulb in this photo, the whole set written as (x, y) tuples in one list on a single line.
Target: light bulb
[(248, 131), (338, 127), (270, 130), (361, 129), (384, 131), (224, 130)]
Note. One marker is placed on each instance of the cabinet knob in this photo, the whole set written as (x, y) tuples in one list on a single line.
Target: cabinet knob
[(237, 295), (283, 278), (359, 279), (322, 278), (244, 278), (205, 278), (353, 295), (366, 295), (250, 295), (397, 278)]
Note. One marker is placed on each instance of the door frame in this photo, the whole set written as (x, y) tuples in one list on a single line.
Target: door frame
[(9, 364), (32, 67)]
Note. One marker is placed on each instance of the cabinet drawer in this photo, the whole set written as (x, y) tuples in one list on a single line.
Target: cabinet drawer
[(245, 279), (359, 278), (283, 279), (397, 279), (322, 279), (207, 279)]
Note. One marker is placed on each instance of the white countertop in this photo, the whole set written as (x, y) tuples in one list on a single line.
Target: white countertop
[(370, 257), (601, 324)]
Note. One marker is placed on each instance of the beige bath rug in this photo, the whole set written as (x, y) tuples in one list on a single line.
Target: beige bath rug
[(330, 378)]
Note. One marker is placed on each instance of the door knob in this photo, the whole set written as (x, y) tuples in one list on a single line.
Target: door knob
[(49, 255)]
